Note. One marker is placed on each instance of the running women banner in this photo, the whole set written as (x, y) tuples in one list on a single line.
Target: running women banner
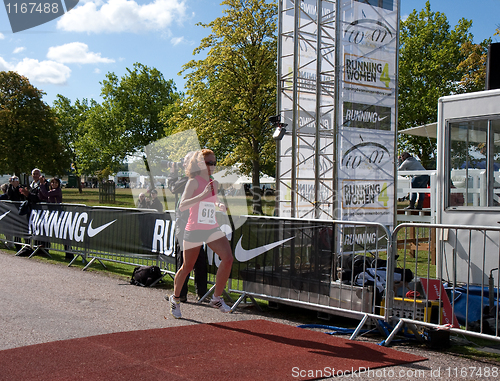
[(367, 110)]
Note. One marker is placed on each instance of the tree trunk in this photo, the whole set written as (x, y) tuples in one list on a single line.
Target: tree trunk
[(255, 190), (151, 177)]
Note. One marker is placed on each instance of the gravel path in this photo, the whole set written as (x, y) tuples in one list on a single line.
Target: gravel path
[(43, 302)]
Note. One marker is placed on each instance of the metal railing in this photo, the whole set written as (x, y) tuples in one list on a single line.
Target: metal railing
[(316, 264), (92, 234), (454, 284), (420, 274)]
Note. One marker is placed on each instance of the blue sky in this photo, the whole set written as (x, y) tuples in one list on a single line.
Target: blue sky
[(72, 54)]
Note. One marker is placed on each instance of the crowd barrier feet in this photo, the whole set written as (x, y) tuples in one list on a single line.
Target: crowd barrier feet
[(39, 249), (92, 261), (242, 297), (76, 256)]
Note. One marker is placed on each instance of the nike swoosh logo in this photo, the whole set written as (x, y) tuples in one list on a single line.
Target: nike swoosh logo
[(381, 119), (3, 215), (243, 255), (94, 231)]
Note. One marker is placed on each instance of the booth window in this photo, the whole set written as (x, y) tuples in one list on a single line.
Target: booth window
[(474, 163)]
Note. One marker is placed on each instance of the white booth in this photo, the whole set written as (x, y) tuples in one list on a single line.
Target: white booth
[(468, 164), (467, 181)]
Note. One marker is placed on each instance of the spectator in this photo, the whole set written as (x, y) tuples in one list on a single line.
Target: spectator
[(145, 224), (13, 194), (4, 195), (155, 202), (54, 196), (409, 163), (32, 193), (13, 191), (54, 193), (143, 202)]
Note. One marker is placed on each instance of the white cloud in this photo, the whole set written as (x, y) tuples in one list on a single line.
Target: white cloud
[(2, 36), (123, 16), (19, 49), (76, 52), (178, 40), (4, 65), (50, 72)]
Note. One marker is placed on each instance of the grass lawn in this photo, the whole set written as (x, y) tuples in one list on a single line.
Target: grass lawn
[(90, 197), (126, 198)]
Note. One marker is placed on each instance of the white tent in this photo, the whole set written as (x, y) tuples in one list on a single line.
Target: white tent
[(265, 179), (233, 176), (227, 175), (427, 130)]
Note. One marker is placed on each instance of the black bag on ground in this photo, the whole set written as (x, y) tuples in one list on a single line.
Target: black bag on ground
[(145, 276)]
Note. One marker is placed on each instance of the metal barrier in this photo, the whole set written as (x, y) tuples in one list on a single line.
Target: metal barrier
[(453, 287), (420, 275), (122, 235), (315, 264), (14, 231), (107, 191)]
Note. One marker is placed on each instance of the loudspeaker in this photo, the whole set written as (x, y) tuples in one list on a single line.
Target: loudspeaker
[(493, 67)]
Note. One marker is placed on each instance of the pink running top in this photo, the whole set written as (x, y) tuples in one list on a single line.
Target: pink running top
[(202, 215)]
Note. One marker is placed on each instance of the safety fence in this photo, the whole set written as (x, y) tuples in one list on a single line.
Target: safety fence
[(124, 235), (418, 275), (311, 263), (455, 278)]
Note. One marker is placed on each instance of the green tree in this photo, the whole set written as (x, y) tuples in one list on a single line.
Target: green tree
[(473, 67), (137, 102), (429, 58), (140, 96), (71, 121), (28, 130), (232, 92), (128, 119), (98, 146)]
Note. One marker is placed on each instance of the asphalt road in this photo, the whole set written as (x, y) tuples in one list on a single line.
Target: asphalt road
[(43, 302)]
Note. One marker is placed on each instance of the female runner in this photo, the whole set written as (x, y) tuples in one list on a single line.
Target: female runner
[(201, 199)]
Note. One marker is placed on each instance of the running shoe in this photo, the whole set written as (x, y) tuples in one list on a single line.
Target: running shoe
[(175, 307), (218, 302)]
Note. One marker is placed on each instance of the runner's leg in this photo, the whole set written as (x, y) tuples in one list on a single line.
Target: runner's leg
[(222, 248), (190, 255)]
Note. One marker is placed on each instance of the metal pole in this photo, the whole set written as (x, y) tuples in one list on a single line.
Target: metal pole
[(319, 7), (296, 55), (278, 105)]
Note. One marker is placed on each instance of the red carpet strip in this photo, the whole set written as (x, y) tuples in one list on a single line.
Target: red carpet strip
[(242, 350)]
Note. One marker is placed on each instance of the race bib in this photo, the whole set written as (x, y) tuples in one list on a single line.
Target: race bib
[(206, 213)]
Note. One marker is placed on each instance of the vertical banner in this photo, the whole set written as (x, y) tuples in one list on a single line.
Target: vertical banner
[(367, 110)]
